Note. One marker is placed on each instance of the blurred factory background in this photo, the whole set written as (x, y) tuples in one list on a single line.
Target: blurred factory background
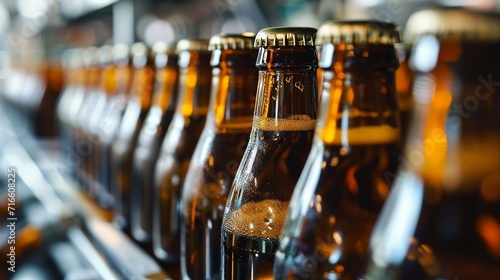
[(33, 36), (33, 30)]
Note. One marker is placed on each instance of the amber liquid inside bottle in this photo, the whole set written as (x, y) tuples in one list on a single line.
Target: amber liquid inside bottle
[(282, 132), (103, 101), (176, 152), (353, 188), (216, 159)]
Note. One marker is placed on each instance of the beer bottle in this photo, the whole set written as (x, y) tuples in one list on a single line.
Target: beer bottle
[(178, 146), (110, 124), (280, 140), (84, 145), (72, 63), (124, 144), (104, 94), (73, 151), (441, 219), (343, 185), (150, 137), (218, 153)]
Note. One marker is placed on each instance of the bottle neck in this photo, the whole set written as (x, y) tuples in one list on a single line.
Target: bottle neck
[(359, 100), (142, 86), (234, 85), (287, 84), (194, 83), (166, 85), (93, 77), (108, 81), (123, 80)]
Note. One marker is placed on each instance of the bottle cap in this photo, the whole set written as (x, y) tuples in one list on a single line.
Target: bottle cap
[(358, 32), (242, 41), (105, 55), (121, 55), (162, 52), (285, 36), (460, 23), (140, 53), (192, 45)]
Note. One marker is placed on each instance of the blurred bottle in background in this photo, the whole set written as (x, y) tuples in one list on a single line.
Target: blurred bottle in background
[(218, 153), (72, 64), (44, 118), (195, 77), (92, 104), (441, 220), (103, 95), (83, 144), (123, 146), (111, 120), (150, 138), (281, 137), (344, 185)]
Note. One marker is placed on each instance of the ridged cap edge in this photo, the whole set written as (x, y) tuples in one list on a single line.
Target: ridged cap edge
[(358, 32), (243, 41), (285, 36)]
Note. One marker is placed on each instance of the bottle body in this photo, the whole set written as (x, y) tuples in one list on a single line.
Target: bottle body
[(281, 137), (332, 236), (107, 130)]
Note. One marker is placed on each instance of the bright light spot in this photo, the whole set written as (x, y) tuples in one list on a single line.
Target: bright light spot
[(338, 239), (159, 30), (4, 18), (396, 224), (425, 54), (32, 8)]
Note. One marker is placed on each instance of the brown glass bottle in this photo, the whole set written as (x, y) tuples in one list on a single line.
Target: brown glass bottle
[(177, 148), (88, 114), (150, 137), (441, 220), (344, 185), (72, 64), (281, 137), (138, 105), (218, 153), (403, 84), (110, 123), (104, 94), (74, 150)]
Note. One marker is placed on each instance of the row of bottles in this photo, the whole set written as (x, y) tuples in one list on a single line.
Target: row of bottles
[(222, 158)]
